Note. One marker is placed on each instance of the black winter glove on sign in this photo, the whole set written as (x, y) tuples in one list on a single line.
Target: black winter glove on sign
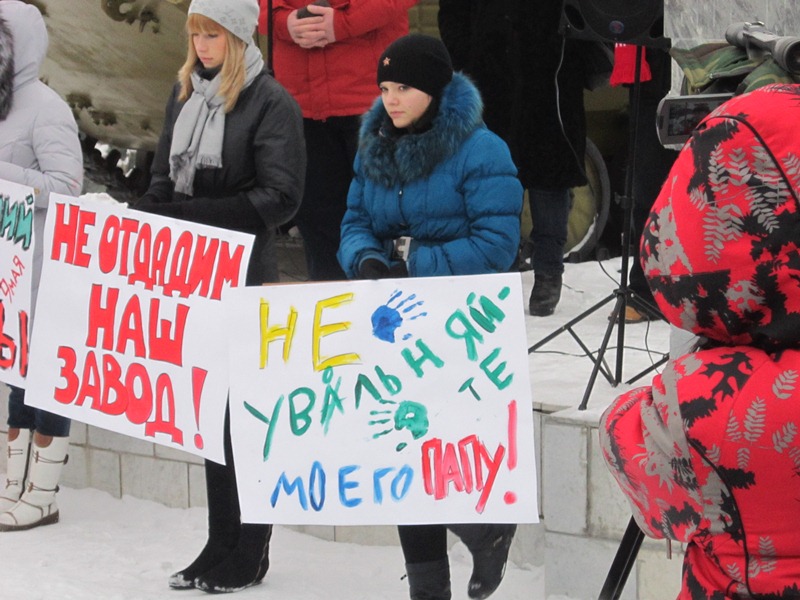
[(372, 268)]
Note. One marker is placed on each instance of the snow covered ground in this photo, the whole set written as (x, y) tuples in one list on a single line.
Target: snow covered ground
[(125, 549), (112, 549)]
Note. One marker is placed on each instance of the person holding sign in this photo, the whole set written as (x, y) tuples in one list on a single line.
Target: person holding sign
[(39, 148), (432, 180), (231, 155)]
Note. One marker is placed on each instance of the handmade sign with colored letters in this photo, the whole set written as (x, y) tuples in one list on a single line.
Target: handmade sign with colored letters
[(381, 402), (129, 332), (16, 276)]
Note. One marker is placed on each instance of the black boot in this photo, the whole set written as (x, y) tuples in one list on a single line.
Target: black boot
[(489, 545), (429, 580), (545, 294), (223, 525), (244, 566)]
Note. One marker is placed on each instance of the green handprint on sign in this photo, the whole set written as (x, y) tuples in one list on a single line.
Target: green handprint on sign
[(409, 415)]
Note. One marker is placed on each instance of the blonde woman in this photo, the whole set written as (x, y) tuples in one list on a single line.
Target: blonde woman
[(231, 155)]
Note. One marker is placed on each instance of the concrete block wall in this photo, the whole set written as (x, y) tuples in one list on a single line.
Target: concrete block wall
[(585, 517), (121, 465)]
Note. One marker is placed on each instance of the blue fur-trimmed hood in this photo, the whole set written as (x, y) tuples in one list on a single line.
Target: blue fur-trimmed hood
[(390, 160)]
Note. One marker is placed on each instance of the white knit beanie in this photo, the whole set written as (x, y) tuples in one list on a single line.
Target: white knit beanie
[(240, 17)]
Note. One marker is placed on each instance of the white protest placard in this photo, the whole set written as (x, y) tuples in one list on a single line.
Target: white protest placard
[(16, 277), (382, 402), (129, 333)]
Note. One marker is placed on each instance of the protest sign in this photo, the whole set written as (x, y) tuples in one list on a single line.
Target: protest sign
[(16, 276), (129, 332), (380, 402)]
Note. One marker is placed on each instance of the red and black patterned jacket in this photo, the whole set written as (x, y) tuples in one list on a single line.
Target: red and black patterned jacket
[(709, 455)]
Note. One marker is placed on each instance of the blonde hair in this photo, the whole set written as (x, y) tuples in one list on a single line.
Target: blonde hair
[(233, 67)]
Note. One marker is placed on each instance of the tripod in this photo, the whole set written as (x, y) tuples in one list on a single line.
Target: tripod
[(623, 562), (623, 295)]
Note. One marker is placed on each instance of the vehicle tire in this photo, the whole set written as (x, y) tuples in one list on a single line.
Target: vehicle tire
[(590, 206)]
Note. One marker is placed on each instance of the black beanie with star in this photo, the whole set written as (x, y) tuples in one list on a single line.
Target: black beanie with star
[(419, 61)]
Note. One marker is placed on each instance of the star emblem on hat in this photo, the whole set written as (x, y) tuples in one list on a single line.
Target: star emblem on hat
[(386, 61)]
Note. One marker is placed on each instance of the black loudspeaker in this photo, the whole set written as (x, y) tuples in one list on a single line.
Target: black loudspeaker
[(638, 22)]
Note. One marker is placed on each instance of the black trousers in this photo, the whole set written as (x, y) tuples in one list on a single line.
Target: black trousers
[(653, 161), (426, 543), (331, 149)]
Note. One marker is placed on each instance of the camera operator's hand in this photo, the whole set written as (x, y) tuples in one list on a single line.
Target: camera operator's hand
[(372, 268)]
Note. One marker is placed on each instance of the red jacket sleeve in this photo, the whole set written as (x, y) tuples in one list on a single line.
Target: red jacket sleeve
[(645, 448)]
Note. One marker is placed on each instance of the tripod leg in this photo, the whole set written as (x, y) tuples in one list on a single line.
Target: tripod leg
[(623, 562), (619, 308)]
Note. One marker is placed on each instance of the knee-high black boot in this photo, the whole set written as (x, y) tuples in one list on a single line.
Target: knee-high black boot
[(489, 544), (224, 525), (245, 565), (429, 580), (247, 561), (425, 551)]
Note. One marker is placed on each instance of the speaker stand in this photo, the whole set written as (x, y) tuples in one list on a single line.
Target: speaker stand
[(622, 295)]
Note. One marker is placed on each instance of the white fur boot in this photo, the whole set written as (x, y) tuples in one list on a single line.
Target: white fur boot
[(16, 469), (37, 505)]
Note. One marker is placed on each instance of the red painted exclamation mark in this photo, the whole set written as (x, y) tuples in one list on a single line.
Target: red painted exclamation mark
[(511, 497), (198, 380)]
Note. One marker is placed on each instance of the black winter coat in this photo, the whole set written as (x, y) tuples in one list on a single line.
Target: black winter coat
[(512, 49), (260, 183)]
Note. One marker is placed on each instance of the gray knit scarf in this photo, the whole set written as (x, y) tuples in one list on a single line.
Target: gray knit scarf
[(200, 126)]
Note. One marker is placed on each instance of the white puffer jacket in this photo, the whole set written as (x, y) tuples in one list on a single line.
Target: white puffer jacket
[(39, 145)]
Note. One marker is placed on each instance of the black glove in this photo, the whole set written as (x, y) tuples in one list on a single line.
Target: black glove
[(372, 268), (398, 270), (165, 209)]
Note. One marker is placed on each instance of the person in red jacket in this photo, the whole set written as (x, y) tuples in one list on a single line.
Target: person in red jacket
[(709, 455), (326, 60)]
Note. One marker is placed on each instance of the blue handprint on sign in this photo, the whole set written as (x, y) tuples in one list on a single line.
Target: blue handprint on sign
[(387, 319)]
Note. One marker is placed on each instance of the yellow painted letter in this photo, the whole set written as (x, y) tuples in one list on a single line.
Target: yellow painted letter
[(320, 331)]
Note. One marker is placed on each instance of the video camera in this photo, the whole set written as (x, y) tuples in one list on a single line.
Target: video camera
[(756, 40), (679, 115)]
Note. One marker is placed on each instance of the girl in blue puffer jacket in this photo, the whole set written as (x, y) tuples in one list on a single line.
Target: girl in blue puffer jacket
[(428, 168), (430, 173)]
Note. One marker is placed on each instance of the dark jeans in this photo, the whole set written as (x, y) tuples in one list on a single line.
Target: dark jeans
[(549, 214), (21, 416), (331, 148)]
